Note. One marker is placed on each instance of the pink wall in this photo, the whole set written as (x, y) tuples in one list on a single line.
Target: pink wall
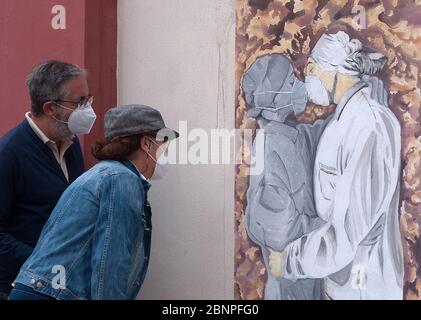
[(28, 38)]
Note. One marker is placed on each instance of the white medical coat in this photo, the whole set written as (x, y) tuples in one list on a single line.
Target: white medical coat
[(358, 250)]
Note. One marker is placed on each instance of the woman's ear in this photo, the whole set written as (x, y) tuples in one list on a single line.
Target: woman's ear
[(145, 144)]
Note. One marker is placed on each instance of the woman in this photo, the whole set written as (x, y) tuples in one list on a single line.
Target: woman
[(280, 204), (96, 244)]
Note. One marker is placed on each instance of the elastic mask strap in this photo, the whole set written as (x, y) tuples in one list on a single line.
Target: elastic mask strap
[(265, 92), (274, 109)]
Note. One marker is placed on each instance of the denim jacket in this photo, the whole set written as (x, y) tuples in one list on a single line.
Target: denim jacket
[(96, 244)]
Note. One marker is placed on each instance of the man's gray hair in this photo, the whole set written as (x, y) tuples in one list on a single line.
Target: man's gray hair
[(48, 82)]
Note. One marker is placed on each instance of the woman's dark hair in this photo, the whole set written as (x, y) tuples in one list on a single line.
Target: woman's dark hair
[(118, 148)]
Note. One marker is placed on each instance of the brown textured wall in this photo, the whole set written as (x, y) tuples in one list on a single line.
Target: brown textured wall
[(292, 28)]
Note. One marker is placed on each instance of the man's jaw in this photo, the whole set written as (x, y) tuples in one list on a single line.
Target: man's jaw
[(61, 132)]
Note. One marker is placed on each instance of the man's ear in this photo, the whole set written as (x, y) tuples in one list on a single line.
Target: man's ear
[(49, 108)]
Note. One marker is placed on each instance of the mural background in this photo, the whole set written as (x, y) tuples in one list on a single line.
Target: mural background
[(292, 27)]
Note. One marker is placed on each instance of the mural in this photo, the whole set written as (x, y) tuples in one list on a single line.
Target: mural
[(334, 214)]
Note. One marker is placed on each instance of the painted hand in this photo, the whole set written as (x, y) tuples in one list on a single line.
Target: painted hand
[(275, 263)]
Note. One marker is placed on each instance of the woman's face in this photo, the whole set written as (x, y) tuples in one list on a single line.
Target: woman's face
[(157, 148)]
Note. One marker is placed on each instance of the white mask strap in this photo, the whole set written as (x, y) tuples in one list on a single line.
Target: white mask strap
[(274, 109), (266, 92)]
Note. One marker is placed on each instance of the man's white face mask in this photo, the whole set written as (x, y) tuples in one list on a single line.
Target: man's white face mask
[(81, 119), (317, 92)]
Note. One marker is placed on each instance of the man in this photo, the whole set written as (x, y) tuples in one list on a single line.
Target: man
[(100, 231), (358, 249), (39, 159), (280, 203)]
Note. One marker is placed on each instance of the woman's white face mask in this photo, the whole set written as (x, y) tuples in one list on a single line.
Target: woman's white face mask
[(161, 167), (297, 97)]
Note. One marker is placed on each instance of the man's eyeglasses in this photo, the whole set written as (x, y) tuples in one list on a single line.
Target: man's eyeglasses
[(82, 103)]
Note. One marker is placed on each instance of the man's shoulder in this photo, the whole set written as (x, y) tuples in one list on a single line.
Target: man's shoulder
[(358, 111), (11, 140), (366, 113)]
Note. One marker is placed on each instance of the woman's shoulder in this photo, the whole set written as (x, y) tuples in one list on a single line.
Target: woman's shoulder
[(110, 168), (106, 172)]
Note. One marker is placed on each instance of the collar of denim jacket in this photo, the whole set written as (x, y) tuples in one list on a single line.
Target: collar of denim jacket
[(134, 169)]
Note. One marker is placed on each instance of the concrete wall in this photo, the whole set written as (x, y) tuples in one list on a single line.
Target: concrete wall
[(178, 56)]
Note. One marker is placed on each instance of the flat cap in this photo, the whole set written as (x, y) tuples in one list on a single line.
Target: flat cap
[(135, 119)]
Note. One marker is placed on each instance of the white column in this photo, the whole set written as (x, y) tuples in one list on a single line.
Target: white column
[(179, 57)]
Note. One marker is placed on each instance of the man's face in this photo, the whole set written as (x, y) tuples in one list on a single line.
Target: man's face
[(77, 91), (319, 83)]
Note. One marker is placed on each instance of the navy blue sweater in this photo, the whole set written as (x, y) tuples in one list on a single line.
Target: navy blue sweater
[(31, 183)]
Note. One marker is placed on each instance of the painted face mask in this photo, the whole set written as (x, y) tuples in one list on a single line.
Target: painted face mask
[(161, 168), (298, 98), (317, 92), (81, 119)]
